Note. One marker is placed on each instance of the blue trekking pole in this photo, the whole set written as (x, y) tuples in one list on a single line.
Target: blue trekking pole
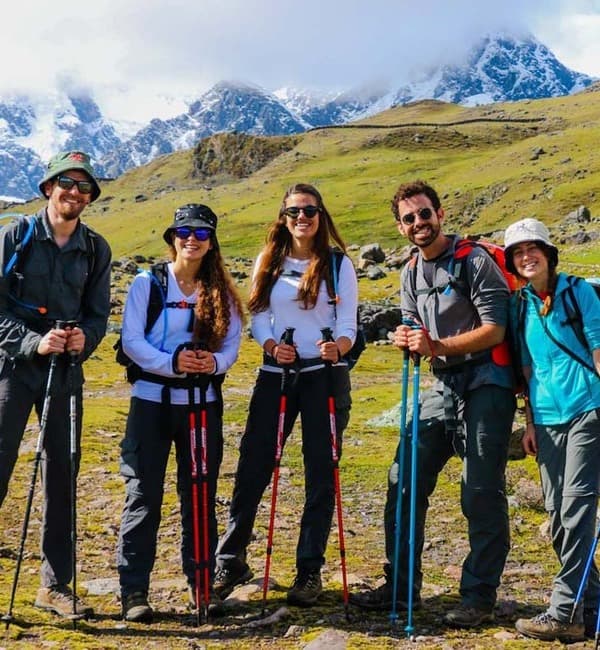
[(409, 629), (400, 459), (583, 583)]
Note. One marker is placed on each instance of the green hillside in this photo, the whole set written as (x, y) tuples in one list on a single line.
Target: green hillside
[(482, 161)]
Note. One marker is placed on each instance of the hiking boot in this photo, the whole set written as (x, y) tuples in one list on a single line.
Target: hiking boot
[(215, 603), (59, 599), (465, 616), (229, 577), (380, 598), (546, 628), (590, 621), (306, 589), (136, 608)]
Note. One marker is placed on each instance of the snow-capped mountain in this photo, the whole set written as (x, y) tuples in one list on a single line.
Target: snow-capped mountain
[(34, 128), (227, 106), (498, 68)]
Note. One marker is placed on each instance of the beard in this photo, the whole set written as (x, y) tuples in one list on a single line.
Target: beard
[(425, 235)]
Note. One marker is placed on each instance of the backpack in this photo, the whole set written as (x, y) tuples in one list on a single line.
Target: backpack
[(157, 305), (501, 353), (14, 266), (360, 342), (574, 317)]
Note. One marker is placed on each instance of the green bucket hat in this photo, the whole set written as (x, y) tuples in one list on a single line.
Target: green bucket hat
[(67, 160)]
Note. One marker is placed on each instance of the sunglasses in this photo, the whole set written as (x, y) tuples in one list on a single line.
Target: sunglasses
[(409, 218), (309, 211), (201, 234), (67, 183)]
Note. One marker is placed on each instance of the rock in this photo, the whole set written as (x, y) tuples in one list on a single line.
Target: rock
[(102, 586), (329, 640), (375, 273), (529, 494), (372, 252)]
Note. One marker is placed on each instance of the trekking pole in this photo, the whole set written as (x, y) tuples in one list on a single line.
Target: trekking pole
[(73, 360), (195, 497), (204, 481), (328, 336), (36, 463), (584, 579), (401, 455), (409, 629), (287, 338)]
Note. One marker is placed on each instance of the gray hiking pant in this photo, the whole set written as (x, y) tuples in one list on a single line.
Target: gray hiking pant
[(16, 403), (486, 414), (569, 461)]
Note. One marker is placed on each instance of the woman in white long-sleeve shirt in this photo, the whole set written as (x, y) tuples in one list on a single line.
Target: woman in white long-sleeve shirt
[(292, 287), (193, 342)]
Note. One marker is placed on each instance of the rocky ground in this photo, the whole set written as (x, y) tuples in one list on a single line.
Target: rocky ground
[(368, 446)]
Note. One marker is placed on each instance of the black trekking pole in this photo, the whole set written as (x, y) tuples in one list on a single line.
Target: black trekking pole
[(288, 338), (400, 460), (328, 336), (73, 360), (36, 463)]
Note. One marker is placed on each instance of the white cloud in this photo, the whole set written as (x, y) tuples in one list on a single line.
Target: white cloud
[(144, 57)]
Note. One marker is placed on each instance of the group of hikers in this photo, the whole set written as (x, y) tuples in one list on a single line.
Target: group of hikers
[(458, 313)]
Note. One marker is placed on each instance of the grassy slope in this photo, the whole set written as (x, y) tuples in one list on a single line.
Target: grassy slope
[(479, 164)]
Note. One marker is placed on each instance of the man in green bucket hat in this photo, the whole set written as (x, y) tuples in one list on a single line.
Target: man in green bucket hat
[(54, 308)]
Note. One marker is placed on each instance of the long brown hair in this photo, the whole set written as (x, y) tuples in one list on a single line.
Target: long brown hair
[(279, 244), (217, 294)]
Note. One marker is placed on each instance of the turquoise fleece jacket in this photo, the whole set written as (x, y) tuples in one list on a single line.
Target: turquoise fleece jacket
[(560, 388)]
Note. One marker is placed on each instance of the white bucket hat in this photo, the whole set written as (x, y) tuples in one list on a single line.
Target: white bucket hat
[(528, 229)]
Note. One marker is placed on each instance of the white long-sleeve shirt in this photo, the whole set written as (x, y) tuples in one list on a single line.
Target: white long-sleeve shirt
[(153, 353), (286, 311)]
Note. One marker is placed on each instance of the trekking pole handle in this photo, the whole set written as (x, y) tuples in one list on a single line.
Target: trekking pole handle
[(68, 325), (327, 334), (288, 336)]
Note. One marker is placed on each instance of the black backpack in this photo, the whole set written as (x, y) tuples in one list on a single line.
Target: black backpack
[(360, 343), (157, 305)]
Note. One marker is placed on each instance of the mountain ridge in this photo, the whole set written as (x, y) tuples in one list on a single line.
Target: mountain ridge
[(499, 68)]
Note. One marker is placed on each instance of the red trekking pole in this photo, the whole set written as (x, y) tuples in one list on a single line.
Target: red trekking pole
[(195, 519), (328, 336), (288, 338), (201, 579), (204, 482)]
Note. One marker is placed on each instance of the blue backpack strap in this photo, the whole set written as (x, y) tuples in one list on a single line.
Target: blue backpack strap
[(20, 245)]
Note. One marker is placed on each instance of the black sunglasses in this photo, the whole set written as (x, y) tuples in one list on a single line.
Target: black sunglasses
[(409, 218), (67, 183), (309, 211), (201, 234)]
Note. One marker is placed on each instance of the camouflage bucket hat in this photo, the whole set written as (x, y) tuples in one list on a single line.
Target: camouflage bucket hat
[(67, 160), (193, 215)]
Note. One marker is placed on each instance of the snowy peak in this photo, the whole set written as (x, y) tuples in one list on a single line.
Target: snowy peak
[(498, 68)]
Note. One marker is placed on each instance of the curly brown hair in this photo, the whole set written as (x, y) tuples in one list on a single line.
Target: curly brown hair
[(407, 190), (217, 295), (279, 244)]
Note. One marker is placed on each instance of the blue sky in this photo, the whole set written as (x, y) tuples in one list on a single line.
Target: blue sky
[(141, 58)]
